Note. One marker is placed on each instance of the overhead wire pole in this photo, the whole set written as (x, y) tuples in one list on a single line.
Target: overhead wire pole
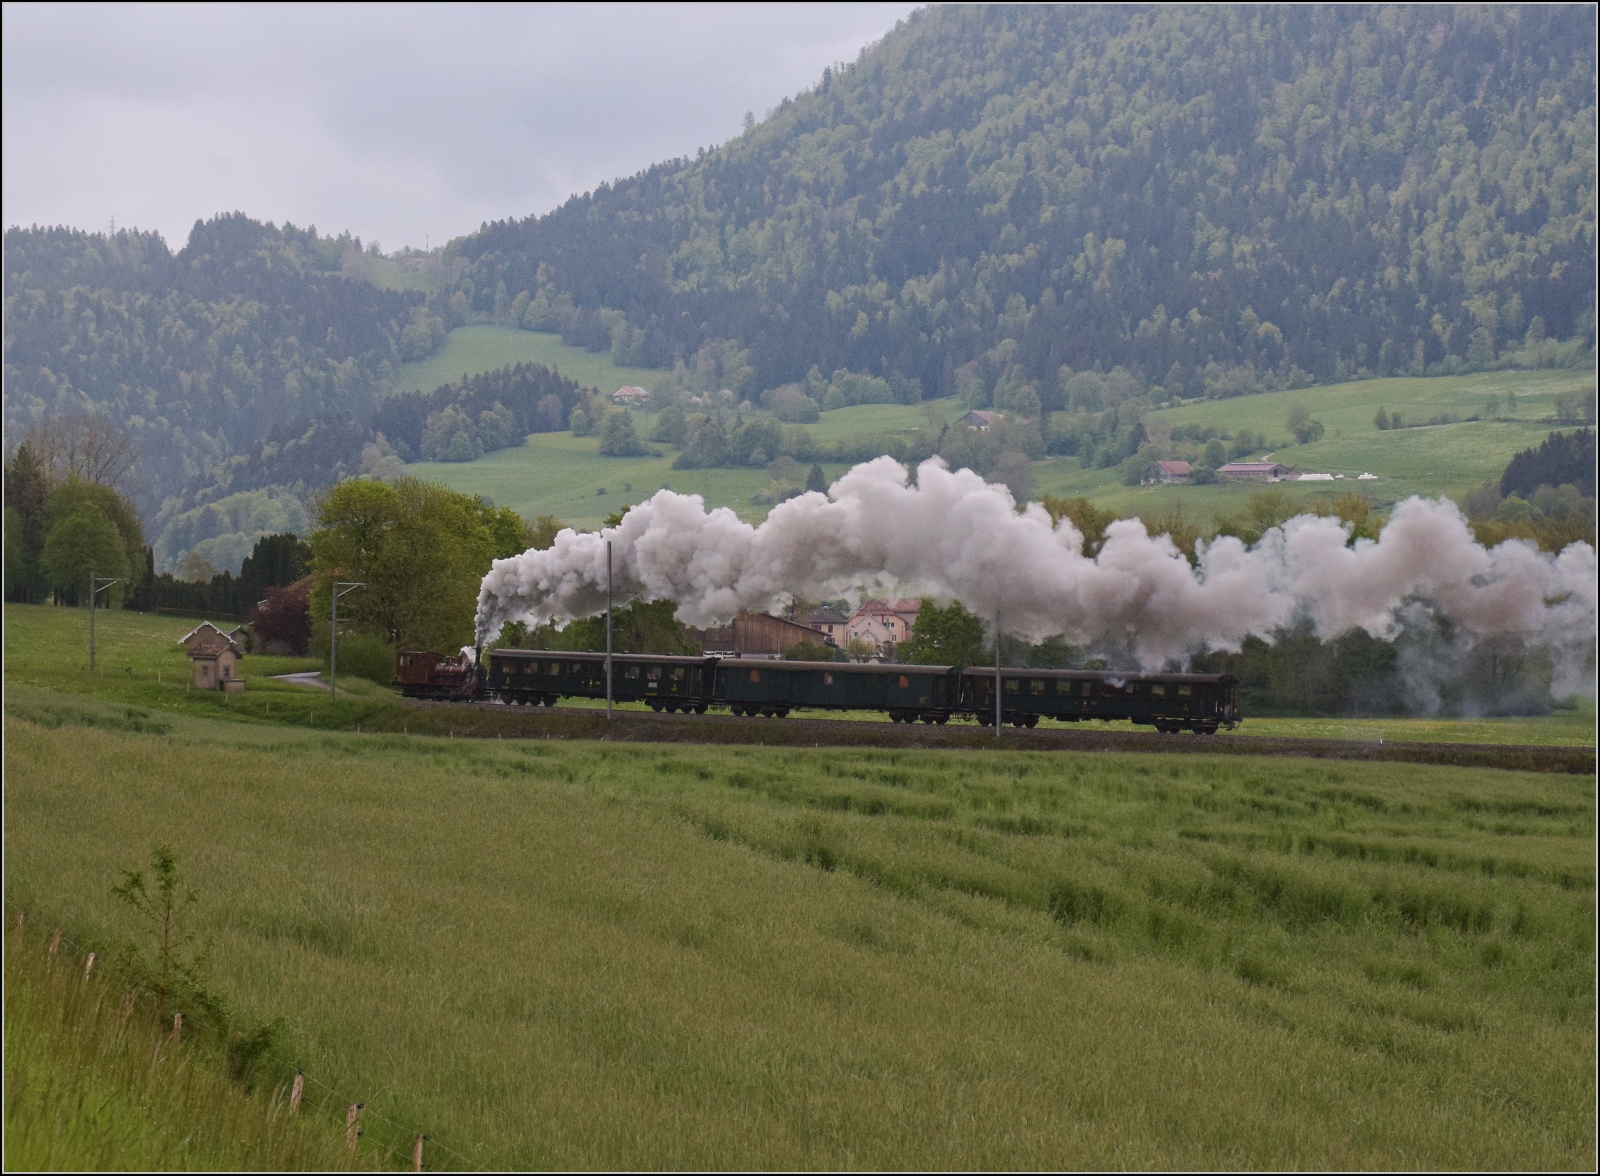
[(333, 650), (997, 674), (608, 630), (104, 583)]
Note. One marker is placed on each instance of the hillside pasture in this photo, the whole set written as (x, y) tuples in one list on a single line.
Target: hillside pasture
[(486, 348), (1448, 460), (562, 475)]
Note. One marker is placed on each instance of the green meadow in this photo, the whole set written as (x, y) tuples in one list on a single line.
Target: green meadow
[(484, 348), (1432, 460), (585, 955), (556, 473)]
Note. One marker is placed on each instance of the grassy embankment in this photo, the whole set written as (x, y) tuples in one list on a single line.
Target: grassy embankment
[(89, 1087), (143, 668), (578, 954)]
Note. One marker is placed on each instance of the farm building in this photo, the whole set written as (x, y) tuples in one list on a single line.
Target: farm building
[(239, 635), (825, 621), (1164, 472), (980, 419), (755, 635), (631, 396), (1266, 471), (216, 660)]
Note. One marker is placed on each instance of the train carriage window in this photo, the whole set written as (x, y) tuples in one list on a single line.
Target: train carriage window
[(1109, 689), (653, 673), (574, 667), (1063, 686), (631, 672), (1038, 686), (1088, 689), (677, 674), (904, 682), (1158, 690), (755, 675), (1013, 685), (1130, 688), (405, 661), (1185, 691), (827, 679)]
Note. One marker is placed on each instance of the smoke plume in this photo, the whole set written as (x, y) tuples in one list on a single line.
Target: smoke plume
[(953, 536)]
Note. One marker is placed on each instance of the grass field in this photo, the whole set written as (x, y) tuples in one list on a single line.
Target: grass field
[(559, 474), (580, 955), (89, 1089), (1449, 460), (471, 350), (556, 473)]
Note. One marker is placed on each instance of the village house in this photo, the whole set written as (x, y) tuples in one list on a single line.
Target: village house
[(755, 635), (883, 622), (1265, 471), (630, 396), (1166, 472), (980, 419), (825, 621), (874, 629)]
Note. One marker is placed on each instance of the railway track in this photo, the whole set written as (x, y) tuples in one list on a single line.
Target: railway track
[(492, 720)]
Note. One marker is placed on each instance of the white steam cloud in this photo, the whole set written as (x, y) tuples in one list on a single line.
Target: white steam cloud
[(953, 536)]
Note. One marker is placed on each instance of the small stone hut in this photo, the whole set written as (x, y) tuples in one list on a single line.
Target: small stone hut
[(216, 662)]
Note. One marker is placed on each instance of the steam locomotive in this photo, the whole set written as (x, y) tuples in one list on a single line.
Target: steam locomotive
[(907, 694)]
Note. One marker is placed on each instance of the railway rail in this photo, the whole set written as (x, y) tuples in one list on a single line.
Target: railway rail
[(489, 720)]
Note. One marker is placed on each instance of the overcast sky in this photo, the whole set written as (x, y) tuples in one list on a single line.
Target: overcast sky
[(401, 124)]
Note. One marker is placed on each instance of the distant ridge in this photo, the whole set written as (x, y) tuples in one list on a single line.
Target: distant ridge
[(1220, 198)]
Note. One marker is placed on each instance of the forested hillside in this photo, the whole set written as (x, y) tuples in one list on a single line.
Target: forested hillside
[(1217, 199), (203, 353)]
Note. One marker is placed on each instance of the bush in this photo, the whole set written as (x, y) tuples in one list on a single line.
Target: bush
[(282, 622), (366, 655), (618, 438)]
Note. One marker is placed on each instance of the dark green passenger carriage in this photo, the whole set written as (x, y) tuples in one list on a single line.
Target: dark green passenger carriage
[(1167, 702), (538, 677), (773, 688)]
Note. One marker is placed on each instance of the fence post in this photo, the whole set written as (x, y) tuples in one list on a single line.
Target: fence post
[(177, 1027), (416, 1152), (297, 1092), (87, 965), (351, 1131)]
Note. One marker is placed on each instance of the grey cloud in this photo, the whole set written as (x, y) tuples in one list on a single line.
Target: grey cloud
[(391, 121)]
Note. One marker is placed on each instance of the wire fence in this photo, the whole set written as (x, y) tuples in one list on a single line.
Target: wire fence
[(357, 1107)]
